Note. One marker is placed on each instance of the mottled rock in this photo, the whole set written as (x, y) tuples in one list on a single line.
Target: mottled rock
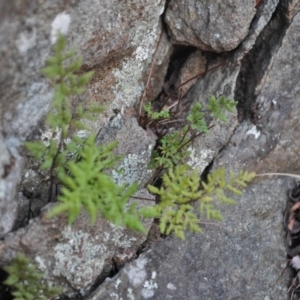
[(135, 146), (242, 258), (74, 256), (193, 66), (116, 39), (219, 82), (269, 142), (263, 15), (9, 178), (209, 25)]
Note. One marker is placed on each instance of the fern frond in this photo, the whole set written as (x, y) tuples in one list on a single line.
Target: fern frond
[(25, 280), (181, 187)]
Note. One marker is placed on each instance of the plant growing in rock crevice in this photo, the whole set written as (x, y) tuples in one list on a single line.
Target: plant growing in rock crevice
[(78, 164), (173, 147), (25, 281), (81, 166), (181, 188)]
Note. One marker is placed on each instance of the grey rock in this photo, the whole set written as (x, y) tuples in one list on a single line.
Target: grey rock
[(116, 39), (74, 256), (269, 142), (209, 25), (217, 83), (262, 17), (9, 178), (243, 258), (134, 145), (193, 66)]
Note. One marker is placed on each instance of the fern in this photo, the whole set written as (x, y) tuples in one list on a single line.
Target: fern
[(172, 148), (217, 106), (86, 185), (25, 281), (164, 114), (181, 187), (80, 165), (167, 154)]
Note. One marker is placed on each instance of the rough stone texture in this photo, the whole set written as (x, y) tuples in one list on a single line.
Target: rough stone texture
[(223, 81), (240, 259), (193, 66), (116, 39), (217, 83), (135, 145), (263, 15), (72, 257), (9, 178), (290, 7), (244, 257), (271, 142), (209, 25)]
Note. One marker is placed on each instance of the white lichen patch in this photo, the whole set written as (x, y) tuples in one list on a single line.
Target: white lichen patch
[(153, 275), (26, 41), (200, 160), (133, 168), (61, 25), (150, 285), (136, 272), (130, 295), (149, 289), (254, 131), (171, 286), (295, 263), (128, 87), (41, 263), (119, 238), (118, 281), (78, 256), (128, 76), (50, 134)]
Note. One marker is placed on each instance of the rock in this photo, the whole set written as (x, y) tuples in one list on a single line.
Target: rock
[(214, 83), (265, 11), (209, 25), (116, 39), (193, 66), (74, 256), (135, 146), (223, 80), (241, 258), (244, 257), (269, 142), (9, 178)]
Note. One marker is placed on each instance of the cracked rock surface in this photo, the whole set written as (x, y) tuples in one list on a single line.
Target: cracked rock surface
[(248, 50)]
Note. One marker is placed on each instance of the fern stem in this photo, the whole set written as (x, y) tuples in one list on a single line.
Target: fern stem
[(190, 79), (143, 198), (53, 165)]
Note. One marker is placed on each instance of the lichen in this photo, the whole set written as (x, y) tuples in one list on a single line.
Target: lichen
[(201, 160), (133, 168), (74, 257), (60, 24), (136, 272)]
